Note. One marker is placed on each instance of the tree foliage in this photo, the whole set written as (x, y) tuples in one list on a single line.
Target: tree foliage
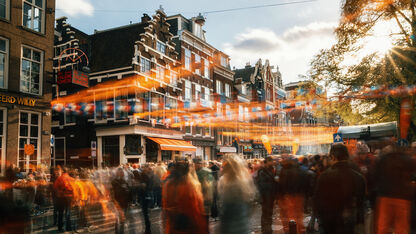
[(395, 68)]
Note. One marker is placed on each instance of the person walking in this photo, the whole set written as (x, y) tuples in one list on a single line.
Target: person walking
[(121, 193), (207, 184), (182, 201), (236, 190), (267, 185), (64, 198), (293, 187), (340, 193), (395, 189)]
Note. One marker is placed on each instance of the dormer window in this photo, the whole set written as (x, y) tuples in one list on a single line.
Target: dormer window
[(198, 30), (161, 47), (224, 61)]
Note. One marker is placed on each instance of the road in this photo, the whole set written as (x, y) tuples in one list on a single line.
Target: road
[(105, 223)]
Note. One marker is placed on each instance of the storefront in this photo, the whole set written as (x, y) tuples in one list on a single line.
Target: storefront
[(204, 149), (169, 149), (136, 144), (24, 132)]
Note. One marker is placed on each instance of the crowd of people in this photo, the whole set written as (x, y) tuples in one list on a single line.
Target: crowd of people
[(342, 192)]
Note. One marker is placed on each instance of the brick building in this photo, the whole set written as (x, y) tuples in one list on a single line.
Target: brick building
[(26, 42)]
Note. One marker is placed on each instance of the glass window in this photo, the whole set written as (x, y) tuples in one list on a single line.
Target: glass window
[(160, 72), (244, 89), (133, 145), (227, 90), (121, 104), (141, 105), (4, 56), (31, 71), (4, 9), (197, 92), (207, 131), (29, 134), (218, 87), (187, 59), (206, 68), (144, 65), (34, 14), (188, 128), (224, 61), (161, 47), (198, 130), (206, 93), (197, 58), (188, 87)]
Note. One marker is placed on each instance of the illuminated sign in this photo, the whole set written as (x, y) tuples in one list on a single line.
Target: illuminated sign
[(17, 100), (72, 77)]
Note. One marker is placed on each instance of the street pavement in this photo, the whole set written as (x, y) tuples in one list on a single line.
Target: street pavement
[(105, 223)]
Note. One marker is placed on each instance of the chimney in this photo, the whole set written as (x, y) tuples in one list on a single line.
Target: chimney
[(145, 18), (248, 65)]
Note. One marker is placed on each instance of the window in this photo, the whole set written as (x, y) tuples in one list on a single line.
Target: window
[(197, 58), (4, 57), (197, 92), (198, 130), (144, 65), (206, 93), (240, 113), (224, 61), (174, 78), (206, 68), (188, 128), (34, 14), (133, 145), (198, 30), (161, 47), (140, 105), (69, 116), (227, 90), (228, 112), (121, 104), (31, 71), (4, 9), (187, 59), (218, 87), (188, 90), (243, 89), (29, 134), (160, 72), (207, 131)]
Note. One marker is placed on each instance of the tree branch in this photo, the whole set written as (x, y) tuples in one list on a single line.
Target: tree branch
[(404, 16), (402, 29)]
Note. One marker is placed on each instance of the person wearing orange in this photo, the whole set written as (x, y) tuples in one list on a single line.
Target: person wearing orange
[(64, 196), (182, 201)]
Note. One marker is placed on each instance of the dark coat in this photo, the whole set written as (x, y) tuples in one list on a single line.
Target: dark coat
[(340, 192), (394, 174), (121, 192), (293, 180), (266, 182)]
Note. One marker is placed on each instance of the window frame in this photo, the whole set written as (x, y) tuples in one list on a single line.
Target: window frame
[(32, 18), (143, 63), (28, 137), (41, 64), (206, 69), (188, 59), (159, 46), (6, 11), (188, 90), (227, 90), (6, 63), (218, 87)]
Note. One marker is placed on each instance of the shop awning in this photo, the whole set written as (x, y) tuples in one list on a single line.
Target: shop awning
[(173, 145)]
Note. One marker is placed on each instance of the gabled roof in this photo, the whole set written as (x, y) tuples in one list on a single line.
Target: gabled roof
[(114, 48)]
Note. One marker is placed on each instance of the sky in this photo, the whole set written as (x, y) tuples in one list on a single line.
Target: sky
[(287, 35)]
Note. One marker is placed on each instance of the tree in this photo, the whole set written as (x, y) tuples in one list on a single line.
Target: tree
[(395, 68)]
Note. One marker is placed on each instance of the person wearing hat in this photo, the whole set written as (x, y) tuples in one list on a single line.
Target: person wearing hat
[(267, 186)]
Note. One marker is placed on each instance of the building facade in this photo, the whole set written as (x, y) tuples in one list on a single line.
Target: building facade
[(26, 42)]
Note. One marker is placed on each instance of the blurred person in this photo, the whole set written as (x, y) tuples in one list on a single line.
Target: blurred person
[(340, 193), (121, 193), (215, 171), (64, 195), (207, 184), (145, 192), (293, 187), (395, 173), (266, 180), (236, 190), (183, 204), (158, 172)]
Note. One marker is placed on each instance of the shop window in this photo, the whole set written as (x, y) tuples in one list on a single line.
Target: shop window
[(133, 145), (29, 134), (121, 104)]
